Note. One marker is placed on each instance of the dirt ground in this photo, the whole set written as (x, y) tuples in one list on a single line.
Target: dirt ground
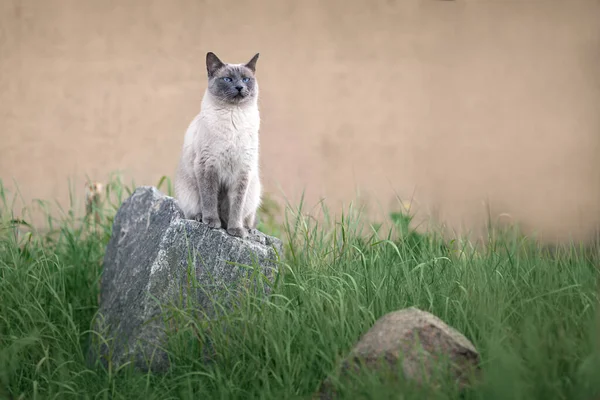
[(456, 104)]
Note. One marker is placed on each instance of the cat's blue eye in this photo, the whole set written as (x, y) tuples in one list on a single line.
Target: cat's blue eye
[(227, 79), (245, 79)]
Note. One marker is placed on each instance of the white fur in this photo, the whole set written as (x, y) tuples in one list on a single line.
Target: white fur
[(226, 137)]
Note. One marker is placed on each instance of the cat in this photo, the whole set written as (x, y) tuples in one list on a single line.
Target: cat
[(217, 179)]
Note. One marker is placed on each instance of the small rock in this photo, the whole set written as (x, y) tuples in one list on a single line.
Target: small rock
[(417, 340), (151, 257)]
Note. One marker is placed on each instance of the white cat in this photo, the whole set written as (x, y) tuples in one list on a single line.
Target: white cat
[(217, 181)]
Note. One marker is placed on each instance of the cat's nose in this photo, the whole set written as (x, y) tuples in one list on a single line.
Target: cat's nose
[(239, 88)]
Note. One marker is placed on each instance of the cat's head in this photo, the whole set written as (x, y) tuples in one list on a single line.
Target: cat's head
[(232, 83)]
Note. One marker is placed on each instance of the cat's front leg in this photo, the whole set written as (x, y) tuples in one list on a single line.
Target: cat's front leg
[(250, 221), (209, 186), (235, 225)]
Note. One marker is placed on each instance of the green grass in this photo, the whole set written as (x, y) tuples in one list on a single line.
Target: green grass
[(530, 311)]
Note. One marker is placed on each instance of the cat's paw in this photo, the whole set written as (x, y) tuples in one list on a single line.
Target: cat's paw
[(212, 222), (239, 232), (197, 217)]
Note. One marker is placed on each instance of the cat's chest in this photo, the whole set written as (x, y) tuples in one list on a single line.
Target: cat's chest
[(230, 151), (230, 139), (233, 123)]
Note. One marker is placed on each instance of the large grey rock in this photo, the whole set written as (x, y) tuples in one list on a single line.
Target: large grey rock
[(417, 342), (150, 262)]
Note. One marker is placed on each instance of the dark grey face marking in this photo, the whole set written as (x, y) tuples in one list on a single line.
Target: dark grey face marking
[(234, 84)]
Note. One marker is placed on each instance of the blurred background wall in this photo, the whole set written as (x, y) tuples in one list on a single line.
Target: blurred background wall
[(454, 104)]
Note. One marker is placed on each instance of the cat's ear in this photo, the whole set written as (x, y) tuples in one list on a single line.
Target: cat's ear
[(252, 63), (212, 63)]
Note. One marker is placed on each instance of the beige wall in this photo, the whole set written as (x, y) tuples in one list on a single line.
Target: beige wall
[(452, 101)]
